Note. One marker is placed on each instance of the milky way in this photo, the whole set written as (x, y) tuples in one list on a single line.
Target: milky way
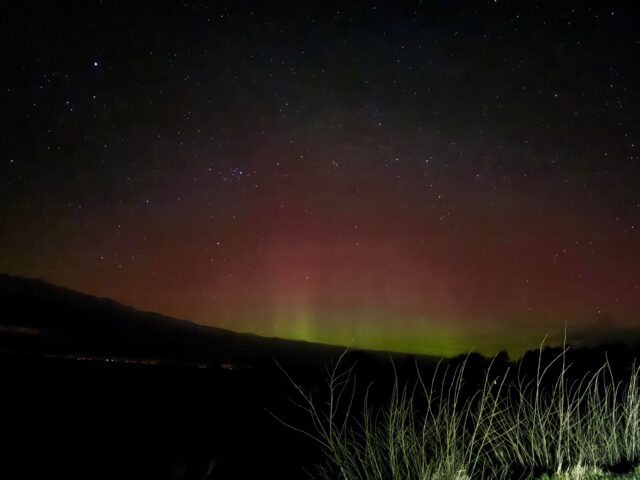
[(430, 178)]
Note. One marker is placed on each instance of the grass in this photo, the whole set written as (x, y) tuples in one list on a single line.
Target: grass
[(511, 426), (593, 474)]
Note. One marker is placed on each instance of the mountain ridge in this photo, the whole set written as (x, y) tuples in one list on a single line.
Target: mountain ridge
[(41, 318)]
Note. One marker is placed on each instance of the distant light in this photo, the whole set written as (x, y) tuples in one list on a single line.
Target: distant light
[(95, 64)]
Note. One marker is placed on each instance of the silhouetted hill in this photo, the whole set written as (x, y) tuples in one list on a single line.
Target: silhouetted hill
[(45, 320), (42, 319)]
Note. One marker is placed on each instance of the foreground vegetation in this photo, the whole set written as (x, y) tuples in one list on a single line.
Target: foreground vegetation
[(595, 474), (548, 425)]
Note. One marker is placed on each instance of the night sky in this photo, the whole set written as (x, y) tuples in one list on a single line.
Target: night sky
[(429, 178)]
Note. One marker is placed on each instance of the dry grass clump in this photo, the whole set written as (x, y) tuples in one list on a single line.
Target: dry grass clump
[(511, 423)]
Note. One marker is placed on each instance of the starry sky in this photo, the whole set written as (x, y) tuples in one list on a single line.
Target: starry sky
[(427, 177)]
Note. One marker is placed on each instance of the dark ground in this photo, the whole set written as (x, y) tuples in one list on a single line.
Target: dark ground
[(94, 420)]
